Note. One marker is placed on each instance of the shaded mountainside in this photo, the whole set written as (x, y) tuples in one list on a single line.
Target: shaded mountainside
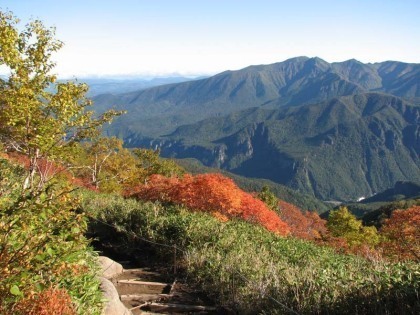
[(401, 191), (375, 209), (328, 129), (345, 148)]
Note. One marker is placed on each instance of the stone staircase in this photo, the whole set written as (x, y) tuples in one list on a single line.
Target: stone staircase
[(148, 291)]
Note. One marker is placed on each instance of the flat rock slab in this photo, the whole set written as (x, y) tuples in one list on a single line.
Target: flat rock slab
[(143, 273)]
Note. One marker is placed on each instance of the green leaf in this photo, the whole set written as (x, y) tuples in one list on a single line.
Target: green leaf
[(15, 290), (75, 230)]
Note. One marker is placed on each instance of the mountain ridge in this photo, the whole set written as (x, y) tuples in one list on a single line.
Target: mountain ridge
[(296, 81)]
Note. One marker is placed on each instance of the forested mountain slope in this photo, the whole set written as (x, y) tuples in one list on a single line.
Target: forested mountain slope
[(329, 129), (344, 148)]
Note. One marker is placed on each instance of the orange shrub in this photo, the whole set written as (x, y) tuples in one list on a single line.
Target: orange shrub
[(253, 209), (212, 193), (402, 235), (50, 301)]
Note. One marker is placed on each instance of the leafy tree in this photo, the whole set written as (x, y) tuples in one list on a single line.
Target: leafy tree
[(341, 223), (106, 164), (39, 123), (150, 162), (402, 234), (42, 243), (269, 198)]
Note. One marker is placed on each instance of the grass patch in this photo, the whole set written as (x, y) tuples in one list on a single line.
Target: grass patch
[(251, 270)]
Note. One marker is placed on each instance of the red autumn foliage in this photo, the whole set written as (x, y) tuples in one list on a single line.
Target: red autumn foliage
[(402, 235), (339, 244), (50, 301), (50, 169), (21, 159), (212, 193), (47, 168), (306, 225), (318, 225)]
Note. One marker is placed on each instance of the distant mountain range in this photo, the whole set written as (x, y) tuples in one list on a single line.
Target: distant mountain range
[(99, 86), (334, 130)]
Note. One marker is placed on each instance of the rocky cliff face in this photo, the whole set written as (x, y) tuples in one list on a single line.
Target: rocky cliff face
[(342, 149)]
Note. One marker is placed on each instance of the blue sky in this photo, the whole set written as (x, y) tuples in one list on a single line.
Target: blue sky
[(162, 37)]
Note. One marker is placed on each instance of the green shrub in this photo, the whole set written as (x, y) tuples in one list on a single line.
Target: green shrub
[(42, 245), (251, 270)]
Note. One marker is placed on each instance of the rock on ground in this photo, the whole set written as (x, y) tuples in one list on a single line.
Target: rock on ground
[(113, 305), (109, 268)]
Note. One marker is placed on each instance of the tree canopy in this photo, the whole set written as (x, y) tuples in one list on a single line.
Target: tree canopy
[(39, 117), (341, 223), (44, 257)]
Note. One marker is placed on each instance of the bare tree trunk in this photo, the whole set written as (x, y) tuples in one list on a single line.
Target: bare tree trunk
[(95, 172), (33, 163)]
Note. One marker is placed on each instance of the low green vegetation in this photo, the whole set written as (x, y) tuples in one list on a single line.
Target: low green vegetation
[(248, 269)]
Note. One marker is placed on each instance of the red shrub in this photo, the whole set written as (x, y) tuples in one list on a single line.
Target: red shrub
[(212, 193), (306, 225)]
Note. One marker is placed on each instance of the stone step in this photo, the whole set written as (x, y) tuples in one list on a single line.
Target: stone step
[(134, 300), (146, 291), (138, 311), (136, 286), (142, 273)]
